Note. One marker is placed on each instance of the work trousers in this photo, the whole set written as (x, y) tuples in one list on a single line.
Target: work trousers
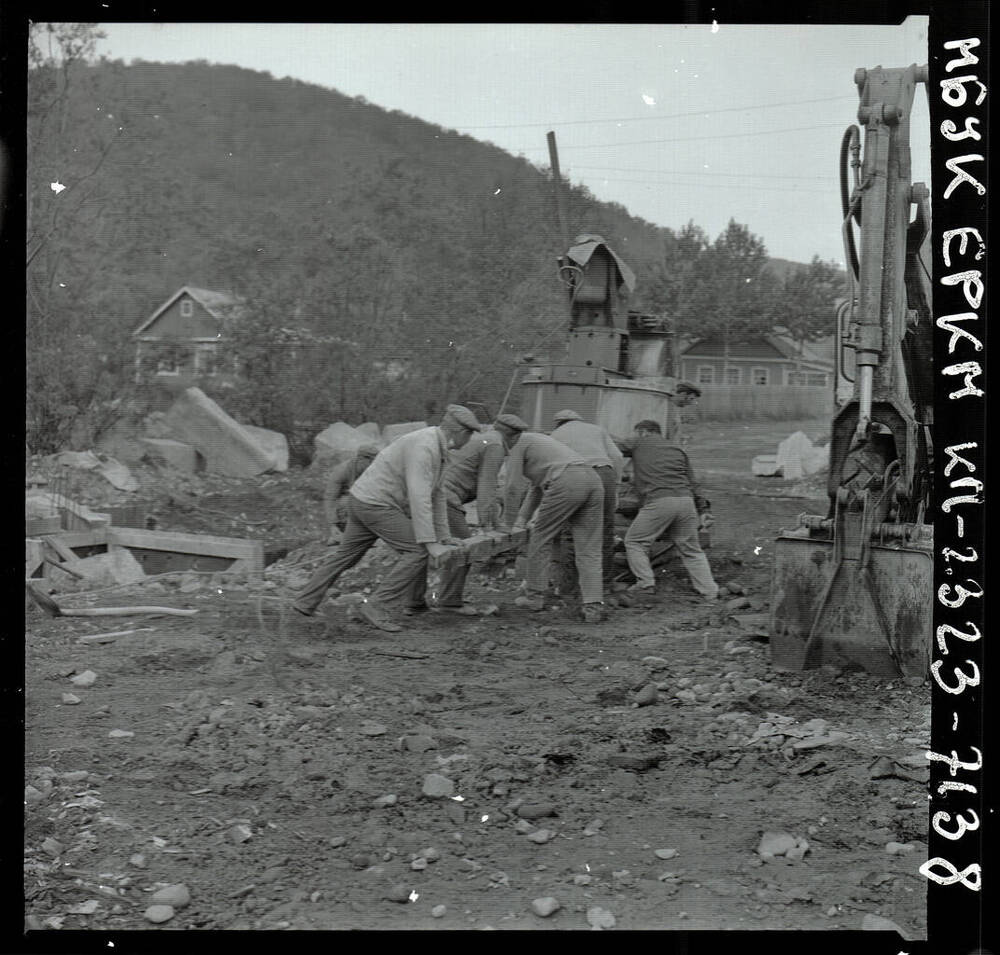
[(564, 560), (406, 581), (574, 499), (677, 518), (454, 574)]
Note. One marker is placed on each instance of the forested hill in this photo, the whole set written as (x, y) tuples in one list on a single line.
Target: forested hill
[(325, 212)]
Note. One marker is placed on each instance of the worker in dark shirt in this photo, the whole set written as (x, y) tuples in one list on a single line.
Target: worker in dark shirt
[(669, 505), (338, 482)]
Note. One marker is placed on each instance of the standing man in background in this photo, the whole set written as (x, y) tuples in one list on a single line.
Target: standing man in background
[(400, 499), (564, 492), (669, 503), (338, 482), (472, 474), (598, 449)]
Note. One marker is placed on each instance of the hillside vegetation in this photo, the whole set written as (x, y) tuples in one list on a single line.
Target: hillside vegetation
[(410, 243)]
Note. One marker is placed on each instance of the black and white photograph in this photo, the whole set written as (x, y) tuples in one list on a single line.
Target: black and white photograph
[(504, 476)]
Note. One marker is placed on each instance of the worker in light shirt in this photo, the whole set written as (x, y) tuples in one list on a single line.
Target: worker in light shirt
[(598, 449), (563, 492), (399, 499)]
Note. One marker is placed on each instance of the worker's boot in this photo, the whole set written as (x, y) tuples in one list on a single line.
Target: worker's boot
[(377, 616), (593, 613)]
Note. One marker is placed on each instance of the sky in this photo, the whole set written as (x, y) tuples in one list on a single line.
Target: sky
[(674, 122)]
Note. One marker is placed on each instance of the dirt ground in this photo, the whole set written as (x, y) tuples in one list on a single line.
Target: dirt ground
[(512, 771)]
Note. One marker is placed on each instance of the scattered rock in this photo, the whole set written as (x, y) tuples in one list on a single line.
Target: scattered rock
[(87, 678), (438, 911), (418, 864), (159, 913), (878, 923), (665, 853), (371, 728), (737, 603), (419, 744), (120, 734), (647, 695), (173, 896), (899, 848), (593, 827), (545, 906), (437, 786), (32, 795), (600, 918), (387, 800), (775, 844), (455, 812), (430, 854), (52, 847), (70, 699), (138, 860), (397, 893), (240, 834), (541, 836), (536, 810)]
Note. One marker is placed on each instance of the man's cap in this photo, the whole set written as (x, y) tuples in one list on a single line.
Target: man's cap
[(461, 415), (512, 422), (686, 388), (567, 414), (647, 424)]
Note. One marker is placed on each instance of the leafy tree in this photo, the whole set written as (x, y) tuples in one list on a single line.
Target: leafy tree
[(808, 301)]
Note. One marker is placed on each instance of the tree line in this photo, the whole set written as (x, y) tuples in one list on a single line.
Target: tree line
[(417, 262)]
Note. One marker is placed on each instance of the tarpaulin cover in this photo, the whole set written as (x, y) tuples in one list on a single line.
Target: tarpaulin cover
[(586, 245)]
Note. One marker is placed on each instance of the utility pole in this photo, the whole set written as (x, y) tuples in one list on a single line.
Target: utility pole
[(557, 186)]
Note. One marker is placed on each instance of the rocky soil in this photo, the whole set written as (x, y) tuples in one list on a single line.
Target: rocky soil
[(241, 769)]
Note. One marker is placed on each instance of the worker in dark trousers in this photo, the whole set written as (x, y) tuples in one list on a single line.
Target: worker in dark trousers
[(564, 492), (400, 499), (670, 505), (338, 482), (598, 449), (472, 474)]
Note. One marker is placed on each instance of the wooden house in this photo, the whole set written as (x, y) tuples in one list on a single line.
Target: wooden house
[(765, 360)]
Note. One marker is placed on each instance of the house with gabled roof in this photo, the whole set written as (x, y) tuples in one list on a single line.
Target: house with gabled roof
[(765, 360), (181, 339)]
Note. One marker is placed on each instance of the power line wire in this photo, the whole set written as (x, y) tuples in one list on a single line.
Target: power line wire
[(638, 119), (716, 185), (691, 172), (679, 139)]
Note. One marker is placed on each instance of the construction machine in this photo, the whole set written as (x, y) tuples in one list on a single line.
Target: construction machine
[(853, 588)]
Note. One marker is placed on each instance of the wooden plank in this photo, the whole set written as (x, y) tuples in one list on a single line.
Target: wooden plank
[(186, 543), (96, 535), (253, 566), (34, 555)]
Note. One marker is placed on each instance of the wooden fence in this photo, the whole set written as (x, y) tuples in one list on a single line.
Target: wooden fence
[(739, 402)]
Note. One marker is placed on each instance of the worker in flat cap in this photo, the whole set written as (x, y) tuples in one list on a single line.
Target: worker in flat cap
[(472, 474), (564, 492), (400, 499), (684, 394), (598, 449), (338, 482)]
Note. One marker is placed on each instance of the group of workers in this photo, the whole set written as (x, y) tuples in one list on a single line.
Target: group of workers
[(413, 492)]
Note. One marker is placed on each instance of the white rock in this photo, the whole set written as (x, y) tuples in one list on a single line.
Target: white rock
[(70, 699), (159, 913), (776, 843), (87, 678), (438, 911), (387, 800), (545, 906), (120, 734), (437, 786), (665, 853), (600, 918), (176, 896), (541, 836), (430, 854)]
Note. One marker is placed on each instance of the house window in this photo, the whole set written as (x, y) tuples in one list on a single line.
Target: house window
[(167, 366), (733, 376), (187, 308), (817, 378), (706, 374), (759, 376), (796, 378), (205, 359)]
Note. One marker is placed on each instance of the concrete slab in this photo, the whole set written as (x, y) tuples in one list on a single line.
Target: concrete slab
[(182, 456), (791, 453), (392, 431), (371, 429), (274, 442), (765, 465), (337, 443), (227, 446)]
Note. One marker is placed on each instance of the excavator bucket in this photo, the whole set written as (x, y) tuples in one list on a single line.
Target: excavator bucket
[(873, 615)]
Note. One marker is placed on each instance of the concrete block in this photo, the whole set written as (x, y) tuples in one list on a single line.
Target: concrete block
[(816, 459), (228, 448), (117, 566), (337, 443), (791, 453), (176, 453), (370, 429), (764, 465), (392, 431), (274, 442)]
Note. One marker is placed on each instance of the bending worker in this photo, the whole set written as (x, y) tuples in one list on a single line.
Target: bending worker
[(338, 482), (669, 503), (472, 474), (399, 499), (598, 449), (564, 491)]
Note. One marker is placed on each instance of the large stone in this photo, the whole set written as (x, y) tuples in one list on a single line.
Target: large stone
[(227, 446), (114, 472), (816, 459), (392, 431), (117, 566), (791, 454), (176, 453), (370, 429), (764, 465), (274, 442)]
